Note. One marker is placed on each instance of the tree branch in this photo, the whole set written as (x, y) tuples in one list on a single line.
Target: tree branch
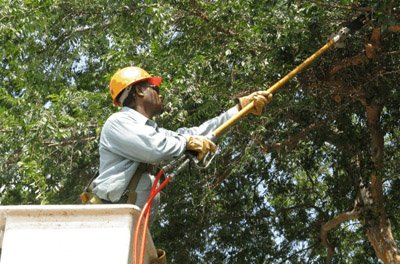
[(394, 28), (288, 258), (69, 142), (225, 174), (292, 141), (346, 7), (326, 227), (196, 11)]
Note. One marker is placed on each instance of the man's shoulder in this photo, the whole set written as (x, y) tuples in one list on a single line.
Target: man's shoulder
[(126, 117), (118, 121), (115, 117)]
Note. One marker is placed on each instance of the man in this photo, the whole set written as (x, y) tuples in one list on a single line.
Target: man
[(131, 142)]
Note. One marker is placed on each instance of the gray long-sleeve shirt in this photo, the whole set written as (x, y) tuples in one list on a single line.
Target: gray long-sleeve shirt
[(128, 138)]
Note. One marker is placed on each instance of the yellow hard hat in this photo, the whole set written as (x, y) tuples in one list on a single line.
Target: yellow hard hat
[(127, 76)]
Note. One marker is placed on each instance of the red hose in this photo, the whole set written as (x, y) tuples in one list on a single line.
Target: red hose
[(146, 213)]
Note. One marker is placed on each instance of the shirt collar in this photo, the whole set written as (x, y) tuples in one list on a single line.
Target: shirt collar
[(140, 118)]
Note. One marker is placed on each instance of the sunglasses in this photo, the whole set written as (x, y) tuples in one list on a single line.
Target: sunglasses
[(154, 87)]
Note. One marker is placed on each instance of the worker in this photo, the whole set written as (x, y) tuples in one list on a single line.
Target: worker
[(131, 142)]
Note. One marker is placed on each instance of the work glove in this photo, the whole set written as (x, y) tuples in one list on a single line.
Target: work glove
[(201, 145), (260, 98)]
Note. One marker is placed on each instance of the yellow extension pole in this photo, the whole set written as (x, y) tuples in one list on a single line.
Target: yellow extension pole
[(244, 111)]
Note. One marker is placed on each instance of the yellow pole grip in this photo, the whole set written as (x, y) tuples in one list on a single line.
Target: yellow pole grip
[(244, 111)]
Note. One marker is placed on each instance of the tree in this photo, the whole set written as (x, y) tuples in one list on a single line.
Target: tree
[(314, 179)]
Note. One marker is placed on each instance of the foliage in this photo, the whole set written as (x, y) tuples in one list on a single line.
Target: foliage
[(277, 177)]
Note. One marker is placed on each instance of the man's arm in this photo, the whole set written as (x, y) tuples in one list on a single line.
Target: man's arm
[(260, 99), (141, 143), (210, 125)]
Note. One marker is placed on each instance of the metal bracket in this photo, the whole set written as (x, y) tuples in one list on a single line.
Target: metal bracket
[(339, 37), (205, 162), (176, 166)]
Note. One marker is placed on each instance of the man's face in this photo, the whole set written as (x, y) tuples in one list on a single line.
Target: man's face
[(153, 100)]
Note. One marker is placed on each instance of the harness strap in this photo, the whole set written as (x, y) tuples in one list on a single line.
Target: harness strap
[(131, 190)]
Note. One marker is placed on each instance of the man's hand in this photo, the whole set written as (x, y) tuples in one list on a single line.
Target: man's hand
[(260, 98), (201, 145)]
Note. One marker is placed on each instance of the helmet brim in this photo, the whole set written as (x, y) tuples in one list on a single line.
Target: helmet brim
[(155, 80)]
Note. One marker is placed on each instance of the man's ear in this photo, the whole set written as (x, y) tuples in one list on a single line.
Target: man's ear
[(139, 90)]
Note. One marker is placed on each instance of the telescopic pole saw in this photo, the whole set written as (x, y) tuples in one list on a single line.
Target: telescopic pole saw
[(340, 36)]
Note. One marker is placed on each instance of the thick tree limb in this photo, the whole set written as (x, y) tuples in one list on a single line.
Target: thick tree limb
[(373, 120), (326, 227), (375, 218), (371, 50), (353, 61)]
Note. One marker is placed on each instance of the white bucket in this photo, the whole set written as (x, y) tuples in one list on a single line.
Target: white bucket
[(49, 234)]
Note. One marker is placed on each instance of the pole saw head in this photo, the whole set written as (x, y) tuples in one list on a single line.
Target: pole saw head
[(359, 22), (348, 28)]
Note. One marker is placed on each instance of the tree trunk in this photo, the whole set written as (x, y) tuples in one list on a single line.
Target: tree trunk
[(375, 219)]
